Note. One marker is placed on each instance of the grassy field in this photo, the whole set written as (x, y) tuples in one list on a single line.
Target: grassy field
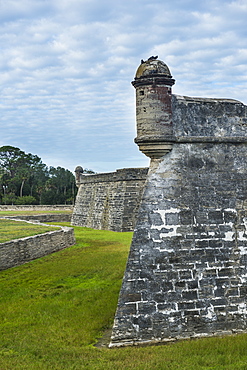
[(10, 229), (54, 309), (24, 212)]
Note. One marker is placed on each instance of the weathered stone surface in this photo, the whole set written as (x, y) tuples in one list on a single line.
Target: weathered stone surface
[(186, 274), (169, 281), (109, 201), (204, 119)]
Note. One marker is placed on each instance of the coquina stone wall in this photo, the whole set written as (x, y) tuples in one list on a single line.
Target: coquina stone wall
[(186, 274), (52, 217), (55, 207), (109, 201), (19, 251)]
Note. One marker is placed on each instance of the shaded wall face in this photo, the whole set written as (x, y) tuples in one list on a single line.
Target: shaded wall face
[(187, 272), (109, 201)]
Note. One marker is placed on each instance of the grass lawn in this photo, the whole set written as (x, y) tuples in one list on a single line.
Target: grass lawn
[(10, 229), (53, 310)]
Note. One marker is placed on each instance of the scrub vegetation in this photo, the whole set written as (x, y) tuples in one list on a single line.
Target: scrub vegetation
[(53, 311)]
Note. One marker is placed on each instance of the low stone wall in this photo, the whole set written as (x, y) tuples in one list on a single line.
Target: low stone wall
[(56, 207), (53, 217), (19, 251)]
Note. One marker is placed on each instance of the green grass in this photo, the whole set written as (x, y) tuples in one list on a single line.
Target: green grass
[(52, 311), (10, 229), (40, 212)]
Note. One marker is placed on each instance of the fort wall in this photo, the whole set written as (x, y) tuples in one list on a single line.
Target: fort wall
[(109, 201)]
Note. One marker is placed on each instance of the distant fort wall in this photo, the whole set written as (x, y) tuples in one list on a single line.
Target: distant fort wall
[(109, 201)]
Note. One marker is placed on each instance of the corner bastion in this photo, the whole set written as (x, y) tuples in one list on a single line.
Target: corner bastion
[(186, 275)]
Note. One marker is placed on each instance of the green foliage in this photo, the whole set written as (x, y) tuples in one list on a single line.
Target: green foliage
[(26, 199), (86, 170), (8, 198), (60, 187), (52, 311), (24, 175)]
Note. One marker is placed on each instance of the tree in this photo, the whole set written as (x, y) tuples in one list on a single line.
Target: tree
[(11, 160), (86, 170), (18, 170), (60, 187), (24, 175)]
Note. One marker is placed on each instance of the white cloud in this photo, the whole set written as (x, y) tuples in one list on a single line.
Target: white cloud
[(14, 10), (66, 68)]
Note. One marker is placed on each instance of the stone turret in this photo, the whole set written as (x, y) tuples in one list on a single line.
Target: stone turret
[(78, 173), (153, 82)]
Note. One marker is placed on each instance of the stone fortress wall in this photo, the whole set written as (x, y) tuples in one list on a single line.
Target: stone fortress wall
[(186, 274), (109, 201)]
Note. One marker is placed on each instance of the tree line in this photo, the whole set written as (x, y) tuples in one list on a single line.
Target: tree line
[(25, 179)]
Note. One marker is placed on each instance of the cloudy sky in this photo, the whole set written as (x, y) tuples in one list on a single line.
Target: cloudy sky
[(66, 68)]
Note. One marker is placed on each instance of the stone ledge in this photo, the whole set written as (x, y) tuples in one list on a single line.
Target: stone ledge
[(19, 251), (163, 341)]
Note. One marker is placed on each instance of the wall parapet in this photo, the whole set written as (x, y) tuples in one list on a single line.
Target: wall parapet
[(125, 174), (19, 251)]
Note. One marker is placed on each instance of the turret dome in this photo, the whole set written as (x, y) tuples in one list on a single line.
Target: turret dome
[(152, 67), (79, 169)]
